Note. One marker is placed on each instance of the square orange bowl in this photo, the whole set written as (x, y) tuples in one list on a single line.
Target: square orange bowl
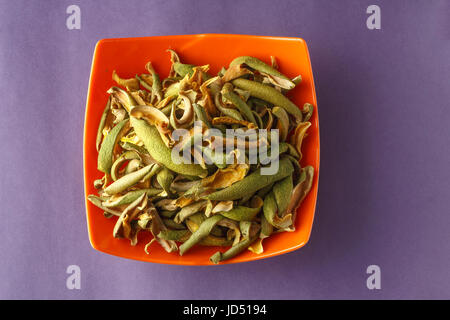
[(128, 57)]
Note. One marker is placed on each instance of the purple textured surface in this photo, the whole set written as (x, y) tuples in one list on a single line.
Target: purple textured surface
[(384, 191)]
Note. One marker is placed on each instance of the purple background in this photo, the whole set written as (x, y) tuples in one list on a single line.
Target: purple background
[(384, 192)]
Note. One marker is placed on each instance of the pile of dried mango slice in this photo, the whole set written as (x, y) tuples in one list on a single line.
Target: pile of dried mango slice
[(217, 195)]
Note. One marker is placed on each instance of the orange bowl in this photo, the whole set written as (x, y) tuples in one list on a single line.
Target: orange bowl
[(128, 57)]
